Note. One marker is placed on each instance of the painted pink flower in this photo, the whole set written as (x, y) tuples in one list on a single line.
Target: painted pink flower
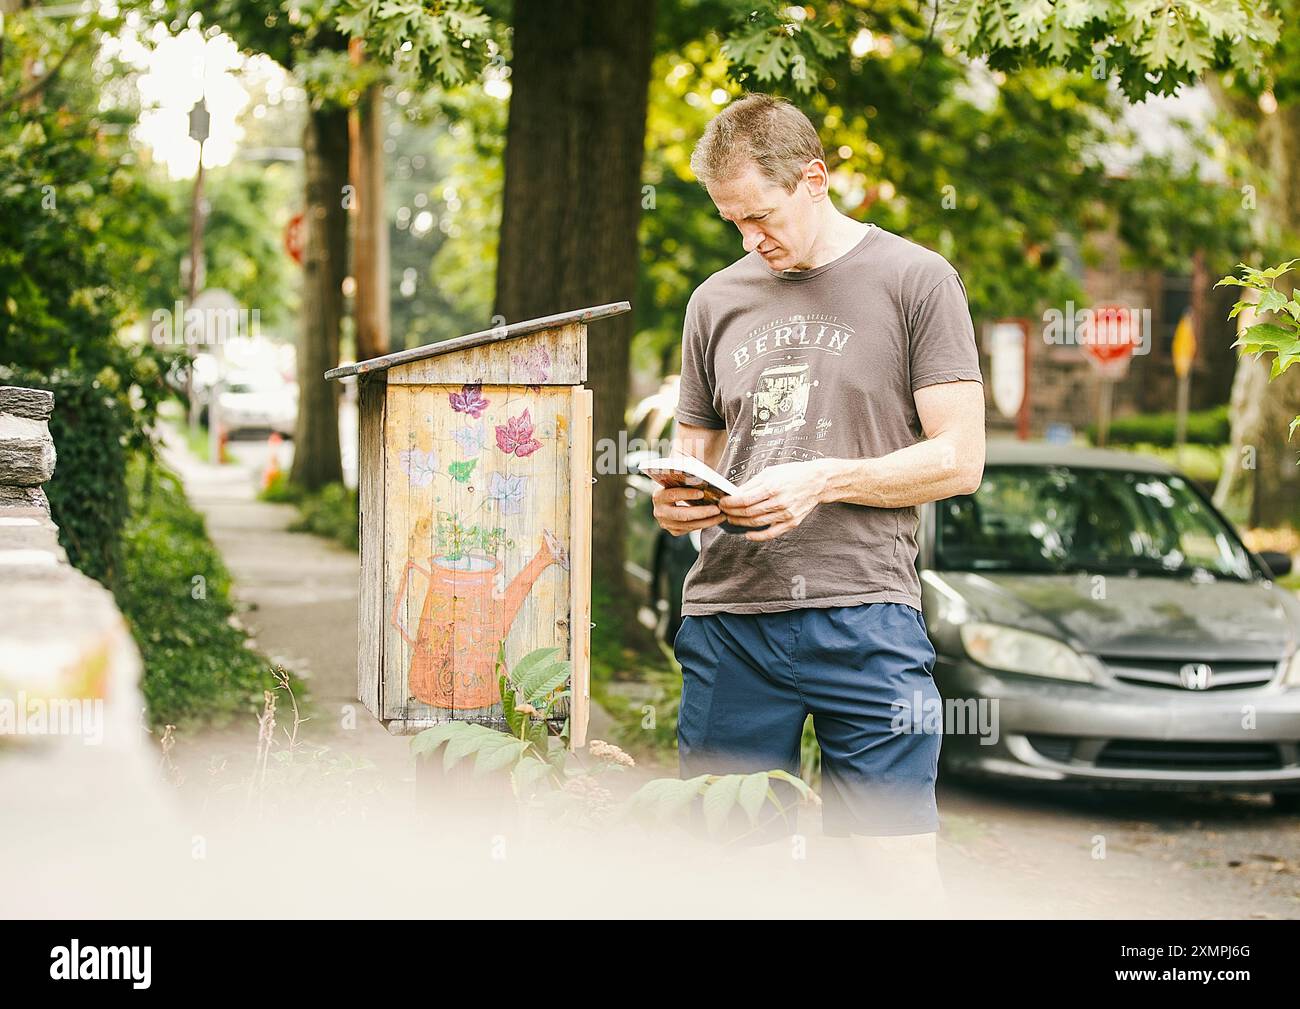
[(515, 436), (469, 400)]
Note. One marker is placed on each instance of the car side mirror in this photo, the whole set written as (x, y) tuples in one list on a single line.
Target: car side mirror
[(1277, 562)]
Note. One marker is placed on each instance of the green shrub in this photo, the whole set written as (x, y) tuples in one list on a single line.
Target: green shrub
[(88, 497), (331, 512), (1204, 427), (280, 490), (175, 592)]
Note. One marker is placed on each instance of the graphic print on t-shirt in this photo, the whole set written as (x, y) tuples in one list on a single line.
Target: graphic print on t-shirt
[(783, 399)]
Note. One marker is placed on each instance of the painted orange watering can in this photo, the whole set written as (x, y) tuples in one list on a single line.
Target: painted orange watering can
[(462, 623)]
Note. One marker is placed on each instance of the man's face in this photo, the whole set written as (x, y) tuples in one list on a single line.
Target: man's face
[(780, 226)]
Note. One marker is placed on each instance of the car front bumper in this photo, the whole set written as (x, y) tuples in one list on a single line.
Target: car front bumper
[(1053, 731)]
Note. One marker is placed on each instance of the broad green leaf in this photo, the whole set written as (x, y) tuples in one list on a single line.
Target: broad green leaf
[(962, 20), (1264, 337), (1077, 13), (1057, 40), (719, 799), (1272, 300), (527, 773), (530, 660), (667, 796), (544, 681), (802, 787), (753, 793), (434, 736), (462, 744), (514, 718), (1001, 30), (494, 756), (1030, 18)]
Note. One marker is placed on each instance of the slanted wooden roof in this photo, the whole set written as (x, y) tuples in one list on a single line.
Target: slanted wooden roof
[(497, 335)]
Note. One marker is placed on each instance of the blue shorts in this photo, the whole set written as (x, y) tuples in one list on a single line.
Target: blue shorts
[(864, 673)]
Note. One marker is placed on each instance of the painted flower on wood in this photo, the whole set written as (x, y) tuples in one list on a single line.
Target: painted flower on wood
[(507, 492), (470, 437), (418, 466), (515, 436), (469, 400), (461, 469)]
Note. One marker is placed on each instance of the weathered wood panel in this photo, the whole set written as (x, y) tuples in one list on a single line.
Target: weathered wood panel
[(580, 568), (370, 469), (476, 541), (551, 357)]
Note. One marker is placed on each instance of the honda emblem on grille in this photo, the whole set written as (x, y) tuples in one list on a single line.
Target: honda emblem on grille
[(1195, 676)]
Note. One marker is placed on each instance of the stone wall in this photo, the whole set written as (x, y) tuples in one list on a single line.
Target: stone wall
[(69, 668)]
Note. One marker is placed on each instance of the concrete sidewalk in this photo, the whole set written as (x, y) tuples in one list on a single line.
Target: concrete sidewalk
[(297, 594)]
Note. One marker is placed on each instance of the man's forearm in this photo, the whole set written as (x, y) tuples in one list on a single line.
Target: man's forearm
[(927, 471)]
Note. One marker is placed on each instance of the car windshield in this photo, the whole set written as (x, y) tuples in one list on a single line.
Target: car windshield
[(1063, 519)]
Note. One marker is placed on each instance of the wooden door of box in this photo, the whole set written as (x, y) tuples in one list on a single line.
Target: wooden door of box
[(479, 491)]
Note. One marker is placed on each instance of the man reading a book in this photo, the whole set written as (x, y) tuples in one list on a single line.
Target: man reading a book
[(832, 374)]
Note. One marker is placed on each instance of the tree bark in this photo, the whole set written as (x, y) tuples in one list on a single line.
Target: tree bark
[(1261, 481), (316, 459), (575, 142)]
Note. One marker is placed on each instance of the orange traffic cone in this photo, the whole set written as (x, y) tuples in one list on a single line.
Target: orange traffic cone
[(272, 470)]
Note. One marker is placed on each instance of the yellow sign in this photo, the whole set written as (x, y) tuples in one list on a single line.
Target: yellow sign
[(1184, 348)]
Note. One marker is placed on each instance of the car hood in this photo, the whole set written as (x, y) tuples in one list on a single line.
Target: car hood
[(1139, 616)]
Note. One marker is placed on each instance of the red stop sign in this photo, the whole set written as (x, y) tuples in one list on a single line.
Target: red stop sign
[(1110, 335), (293, 238)]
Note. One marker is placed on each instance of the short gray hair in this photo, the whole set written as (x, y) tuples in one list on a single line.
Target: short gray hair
[(762, 130)]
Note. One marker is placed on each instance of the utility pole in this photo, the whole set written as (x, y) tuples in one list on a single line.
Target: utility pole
[(369, 221), (200, 121)]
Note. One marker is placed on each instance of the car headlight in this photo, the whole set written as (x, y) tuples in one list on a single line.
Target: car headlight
[(1292, 677), (1016, 651)]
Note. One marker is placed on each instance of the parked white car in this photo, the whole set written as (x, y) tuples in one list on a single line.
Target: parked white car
[(257, 401)]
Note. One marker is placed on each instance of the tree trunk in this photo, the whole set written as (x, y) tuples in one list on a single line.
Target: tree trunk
[(1261, 482), (316, 459), (580, 77)]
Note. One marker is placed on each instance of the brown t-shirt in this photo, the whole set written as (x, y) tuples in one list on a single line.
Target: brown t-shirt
[(819, 363)]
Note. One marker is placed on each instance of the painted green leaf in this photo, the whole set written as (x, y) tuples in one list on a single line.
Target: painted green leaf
[(461, 469)]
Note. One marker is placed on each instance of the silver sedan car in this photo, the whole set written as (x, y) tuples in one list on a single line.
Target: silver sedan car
[(1098, 621)]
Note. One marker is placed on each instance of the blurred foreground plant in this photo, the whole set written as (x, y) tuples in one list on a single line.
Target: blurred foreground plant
[(545, 774)]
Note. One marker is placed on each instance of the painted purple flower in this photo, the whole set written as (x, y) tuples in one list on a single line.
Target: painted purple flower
[(507, 492), (469, 400), (471, 438), (515, 436), (418, 466)]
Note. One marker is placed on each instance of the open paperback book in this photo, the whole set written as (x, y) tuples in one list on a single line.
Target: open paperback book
[(681, 470)]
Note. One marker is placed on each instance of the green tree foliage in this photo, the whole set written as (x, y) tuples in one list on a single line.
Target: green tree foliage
[(1153, 46), (1280, 335), (989, 169)]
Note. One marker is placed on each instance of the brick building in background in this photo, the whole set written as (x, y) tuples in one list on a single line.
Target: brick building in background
[(1064, 388)]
